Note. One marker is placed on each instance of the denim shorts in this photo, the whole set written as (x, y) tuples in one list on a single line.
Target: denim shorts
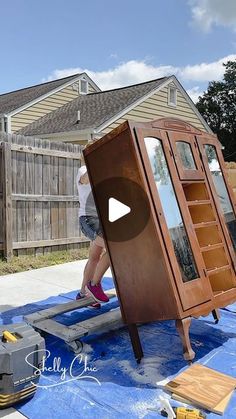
[(90, 226)]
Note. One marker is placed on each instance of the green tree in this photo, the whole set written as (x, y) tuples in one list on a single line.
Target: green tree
[(218, 107)]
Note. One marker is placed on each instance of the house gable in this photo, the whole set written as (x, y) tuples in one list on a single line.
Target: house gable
[(30, 112), (156, 105)]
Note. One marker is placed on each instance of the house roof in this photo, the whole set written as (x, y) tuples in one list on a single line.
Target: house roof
[(14, 100), (95, 109)]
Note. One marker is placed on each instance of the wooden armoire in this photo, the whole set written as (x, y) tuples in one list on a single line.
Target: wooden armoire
[(173, 255)]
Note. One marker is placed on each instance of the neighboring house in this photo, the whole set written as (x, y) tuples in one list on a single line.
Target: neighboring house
[(94, 114), (20, 108)]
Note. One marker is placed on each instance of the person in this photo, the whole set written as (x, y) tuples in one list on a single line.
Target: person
[(98, 260)]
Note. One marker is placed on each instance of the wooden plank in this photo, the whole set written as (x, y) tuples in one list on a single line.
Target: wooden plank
[(219, 408), (51, 312), (1, 198), (29, 189), (202, 385), (76, 165), (70, 227), (78, 330), (38, 189), (101, 321), (1, 214), (14, 204), (54, 190), (59, 330), (52, 242), (45, 198), (45, 152), (20, 188), (48, 313), (46, 219), (7, 203), (62, 191)]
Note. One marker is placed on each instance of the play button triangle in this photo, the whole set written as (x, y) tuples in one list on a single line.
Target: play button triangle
[(117, 209)]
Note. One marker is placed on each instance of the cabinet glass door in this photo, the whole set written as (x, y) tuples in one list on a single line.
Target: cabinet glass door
[(178, 235), (186, 158), (173, 217), (221, 190)]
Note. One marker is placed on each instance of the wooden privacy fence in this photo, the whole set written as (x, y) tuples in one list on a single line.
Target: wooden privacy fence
[(38, 195)]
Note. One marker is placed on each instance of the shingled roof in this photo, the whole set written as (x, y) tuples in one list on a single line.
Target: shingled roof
[(95, 109), (14, 100)]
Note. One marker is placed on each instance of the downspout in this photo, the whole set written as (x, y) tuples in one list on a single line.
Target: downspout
[(8, 125)]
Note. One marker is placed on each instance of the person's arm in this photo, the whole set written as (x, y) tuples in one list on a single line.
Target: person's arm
[(84, 179)]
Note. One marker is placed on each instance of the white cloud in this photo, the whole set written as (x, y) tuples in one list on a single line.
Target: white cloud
[(205, 72), (131, 72), (207, 13), (134, 71), (194, 93)]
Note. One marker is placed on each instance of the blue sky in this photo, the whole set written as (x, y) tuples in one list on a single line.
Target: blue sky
[(117, 42)]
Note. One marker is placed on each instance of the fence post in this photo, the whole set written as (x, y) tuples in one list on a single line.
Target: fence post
[(7, 201)]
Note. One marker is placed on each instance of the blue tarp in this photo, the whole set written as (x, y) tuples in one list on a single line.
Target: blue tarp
[(116, 386)]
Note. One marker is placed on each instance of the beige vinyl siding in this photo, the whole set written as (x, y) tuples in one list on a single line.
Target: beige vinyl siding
[(41, 108), (91, 89), (157, 106)]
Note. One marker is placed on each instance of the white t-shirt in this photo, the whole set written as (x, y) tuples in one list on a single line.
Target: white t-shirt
[(86, 201)]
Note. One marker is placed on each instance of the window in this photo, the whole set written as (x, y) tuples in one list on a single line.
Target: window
[(172, 96), (3, 125), (83, 87)]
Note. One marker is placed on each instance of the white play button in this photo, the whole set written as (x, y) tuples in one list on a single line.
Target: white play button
[(116, 209)]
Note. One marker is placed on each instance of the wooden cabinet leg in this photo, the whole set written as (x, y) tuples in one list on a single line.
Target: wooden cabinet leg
[(136, 344), (216, 315), (183, 326)]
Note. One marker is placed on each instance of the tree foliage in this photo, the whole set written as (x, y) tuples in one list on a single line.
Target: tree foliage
[(218, 108)]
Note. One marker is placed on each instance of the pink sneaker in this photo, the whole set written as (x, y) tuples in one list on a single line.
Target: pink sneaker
[(94, 305), (97, 293)]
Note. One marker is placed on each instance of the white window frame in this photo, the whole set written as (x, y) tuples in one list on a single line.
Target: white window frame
[(3, 124), (80, 83), (174, 104)]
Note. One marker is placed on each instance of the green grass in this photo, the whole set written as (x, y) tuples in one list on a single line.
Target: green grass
[(25, 263)]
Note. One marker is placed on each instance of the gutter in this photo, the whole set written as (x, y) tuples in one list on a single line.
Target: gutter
[(78, 134)]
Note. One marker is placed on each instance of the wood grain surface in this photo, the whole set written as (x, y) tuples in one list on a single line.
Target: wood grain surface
[(203, 386)]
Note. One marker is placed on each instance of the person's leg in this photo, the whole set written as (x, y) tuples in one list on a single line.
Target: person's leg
[(101, 268), (94, 288), (95, 252)]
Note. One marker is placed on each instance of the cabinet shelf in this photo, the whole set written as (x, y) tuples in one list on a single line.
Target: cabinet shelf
[(199, 202), (211, 247), (208, 236), (205, 224), (195, 191), (220, 269), (203, 213)]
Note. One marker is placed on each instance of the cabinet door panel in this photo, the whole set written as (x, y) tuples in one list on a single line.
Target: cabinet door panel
[(186, 157), (193, 286), (223, 196)]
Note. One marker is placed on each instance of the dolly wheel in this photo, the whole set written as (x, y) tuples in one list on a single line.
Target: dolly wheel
[(76, 346)]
